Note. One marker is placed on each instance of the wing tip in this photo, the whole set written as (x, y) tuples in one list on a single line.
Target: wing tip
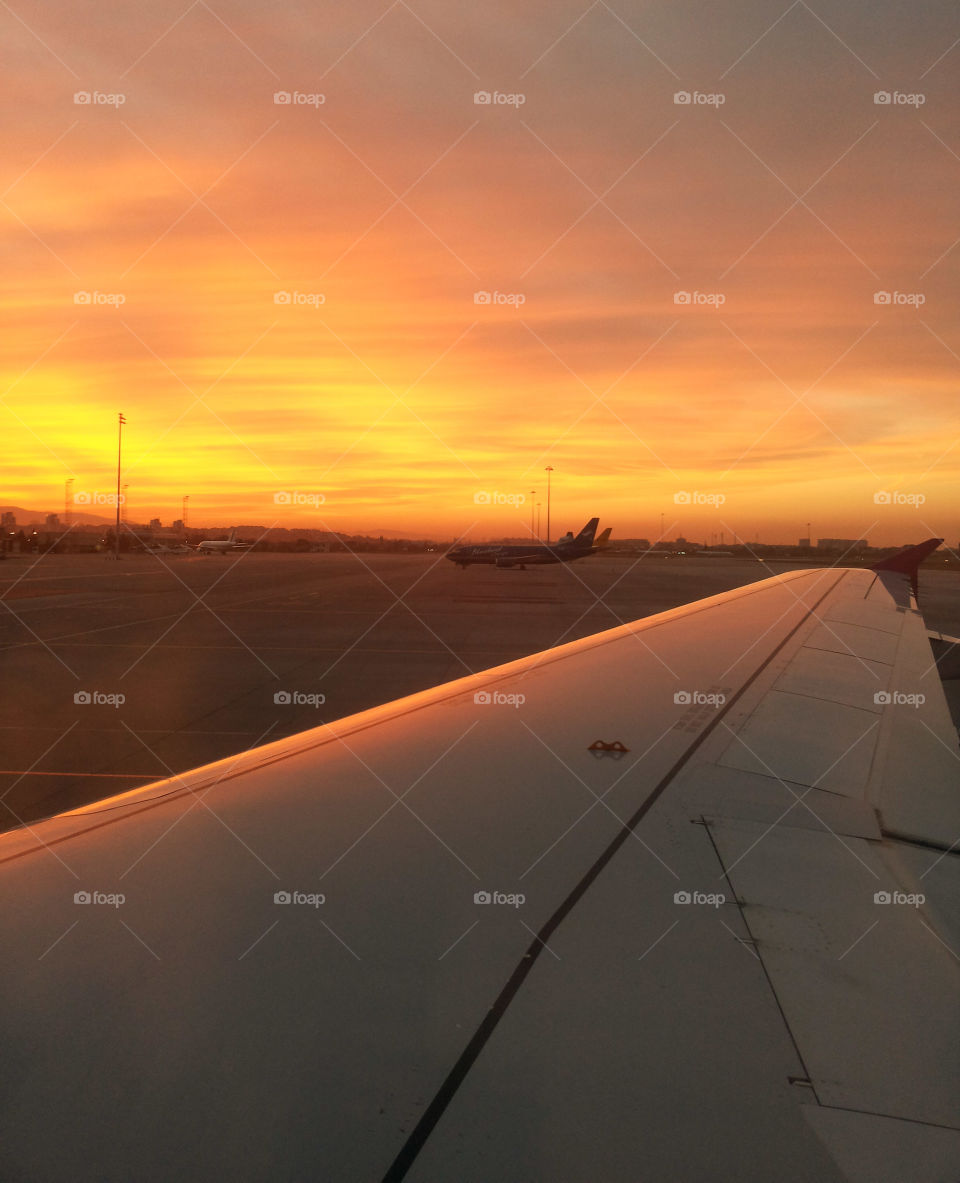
[(908, 560)]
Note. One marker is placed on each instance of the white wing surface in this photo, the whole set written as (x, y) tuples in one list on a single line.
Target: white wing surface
[(674, 902)]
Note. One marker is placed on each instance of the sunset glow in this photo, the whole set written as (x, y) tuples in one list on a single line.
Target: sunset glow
[(749, 296)]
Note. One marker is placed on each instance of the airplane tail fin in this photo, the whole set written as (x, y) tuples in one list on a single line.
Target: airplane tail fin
[(908, 560), (585, 537), (603, 539)]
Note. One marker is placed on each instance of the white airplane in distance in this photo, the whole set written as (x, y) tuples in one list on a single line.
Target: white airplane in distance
[(177, 549), (222, 546), (676, 901)]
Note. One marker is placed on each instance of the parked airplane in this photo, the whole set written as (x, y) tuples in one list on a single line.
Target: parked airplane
[(211, 546), (600, 542), (565, 550), (676, 901)]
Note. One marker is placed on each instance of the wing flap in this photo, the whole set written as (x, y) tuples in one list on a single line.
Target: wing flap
[(861, 982)]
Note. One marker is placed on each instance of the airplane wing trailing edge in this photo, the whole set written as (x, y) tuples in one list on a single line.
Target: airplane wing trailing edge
[(677, 901)]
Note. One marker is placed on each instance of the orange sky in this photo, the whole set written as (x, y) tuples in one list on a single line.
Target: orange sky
[(398, 398)]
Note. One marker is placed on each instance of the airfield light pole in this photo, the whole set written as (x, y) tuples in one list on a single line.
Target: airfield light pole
[(538, 520), (549, 469), (116, 541)]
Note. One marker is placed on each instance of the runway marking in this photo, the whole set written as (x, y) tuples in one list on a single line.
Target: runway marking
[(112, 730), (105, 575), (25, 594), (117, 775)]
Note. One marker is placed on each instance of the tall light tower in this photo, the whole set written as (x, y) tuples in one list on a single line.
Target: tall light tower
[(120, 423), (548, 470), (123, 507), (68, 502)]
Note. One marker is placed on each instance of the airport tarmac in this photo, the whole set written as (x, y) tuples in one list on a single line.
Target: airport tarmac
[(118, 673)]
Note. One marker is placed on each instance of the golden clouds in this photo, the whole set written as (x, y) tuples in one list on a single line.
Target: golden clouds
[(399, 295)]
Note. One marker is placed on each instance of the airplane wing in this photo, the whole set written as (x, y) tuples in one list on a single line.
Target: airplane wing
[(677, 901)]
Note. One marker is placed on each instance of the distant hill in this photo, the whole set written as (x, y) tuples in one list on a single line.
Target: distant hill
[(30, 517)]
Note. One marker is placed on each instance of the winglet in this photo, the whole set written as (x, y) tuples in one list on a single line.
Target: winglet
[(908, 561)]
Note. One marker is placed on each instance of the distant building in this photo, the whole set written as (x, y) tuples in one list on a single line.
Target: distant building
[(803, 542), (53, 521), (8, 520), (178, 526), (155, 524), (842, 544)]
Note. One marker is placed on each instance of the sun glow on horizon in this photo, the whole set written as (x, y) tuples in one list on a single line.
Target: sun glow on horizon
[(396, 298)]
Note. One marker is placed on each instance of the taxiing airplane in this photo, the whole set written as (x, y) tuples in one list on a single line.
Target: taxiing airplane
[(211, 546), (565, 550), (676, 901)]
